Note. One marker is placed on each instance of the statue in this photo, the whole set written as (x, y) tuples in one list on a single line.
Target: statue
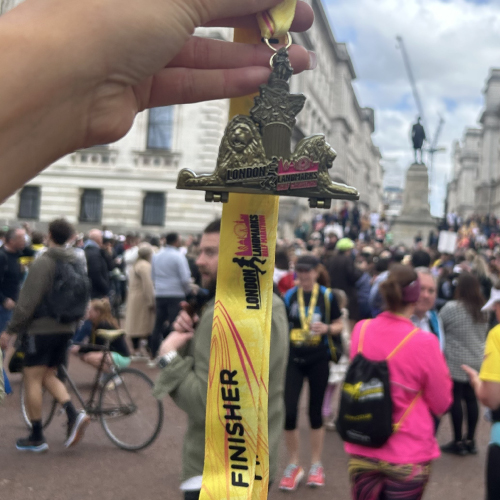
[(418, 138)]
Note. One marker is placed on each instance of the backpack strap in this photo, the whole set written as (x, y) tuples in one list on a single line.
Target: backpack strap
[(327, 305), (402, 343), (362, 336), (398, 425)]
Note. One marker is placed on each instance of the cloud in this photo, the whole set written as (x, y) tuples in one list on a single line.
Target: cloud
[(451, 44)]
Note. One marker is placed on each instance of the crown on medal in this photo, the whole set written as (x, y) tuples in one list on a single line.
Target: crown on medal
[(255, 153)]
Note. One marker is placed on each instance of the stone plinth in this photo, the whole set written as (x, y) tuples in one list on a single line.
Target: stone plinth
[(415, 215)]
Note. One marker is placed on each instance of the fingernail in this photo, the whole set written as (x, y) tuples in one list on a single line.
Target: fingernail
[(313, 61)]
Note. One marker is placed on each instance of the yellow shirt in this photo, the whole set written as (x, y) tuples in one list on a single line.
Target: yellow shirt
[(490, 369)]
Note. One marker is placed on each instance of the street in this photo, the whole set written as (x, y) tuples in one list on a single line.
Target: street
[(98, 469)]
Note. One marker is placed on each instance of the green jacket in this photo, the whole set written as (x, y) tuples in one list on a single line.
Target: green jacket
[(185, 379)]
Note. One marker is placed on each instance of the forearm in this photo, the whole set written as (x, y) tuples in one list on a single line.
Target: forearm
[(335, 327)]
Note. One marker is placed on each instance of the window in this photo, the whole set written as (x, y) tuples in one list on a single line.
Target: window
[(29, 203), (153, 209), (91, 205), (160, 128)]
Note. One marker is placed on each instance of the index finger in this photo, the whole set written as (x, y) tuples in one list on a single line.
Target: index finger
[(304, 18)]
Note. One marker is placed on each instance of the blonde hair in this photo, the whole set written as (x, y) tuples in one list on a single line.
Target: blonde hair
[(103, 307)]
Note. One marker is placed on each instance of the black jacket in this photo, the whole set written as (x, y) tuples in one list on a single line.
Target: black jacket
[(97, 268)]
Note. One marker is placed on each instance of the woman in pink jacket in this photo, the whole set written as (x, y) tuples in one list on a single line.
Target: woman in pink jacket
[(401, 467)]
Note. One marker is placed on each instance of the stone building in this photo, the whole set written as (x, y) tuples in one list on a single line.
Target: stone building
[(130, 184), (476, 160)]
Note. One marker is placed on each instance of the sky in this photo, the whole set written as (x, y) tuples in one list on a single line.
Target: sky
[(452, 44)]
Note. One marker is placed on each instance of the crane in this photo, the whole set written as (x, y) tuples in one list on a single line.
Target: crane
[(433, 144)]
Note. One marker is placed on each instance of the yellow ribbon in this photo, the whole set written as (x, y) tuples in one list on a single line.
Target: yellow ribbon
[(236, 430), (276, 22)]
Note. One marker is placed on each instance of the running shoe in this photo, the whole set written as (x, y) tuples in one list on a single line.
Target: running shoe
[(316, 476), (454, 448), (76, 428), (27, 444), (291, 478)]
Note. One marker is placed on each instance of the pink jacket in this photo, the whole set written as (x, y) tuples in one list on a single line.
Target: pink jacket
[(418, 366)]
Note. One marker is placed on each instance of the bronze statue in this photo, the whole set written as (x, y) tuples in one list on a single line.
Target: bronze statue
[(418, 138)]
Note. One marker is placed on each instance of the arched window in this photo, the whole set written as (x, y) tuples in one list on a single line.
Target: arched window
[(29, 203)]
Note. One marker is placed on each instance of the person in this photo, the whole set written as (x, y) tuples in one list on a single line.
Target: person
[(97, 265), (337, 370), (426, 317), (48, 339), (313, 314), (400, 468), (185, 377), (100, 317), (465, 328), (172, 282), (101, 78), (140, 313), (344, 275), (486, 386)]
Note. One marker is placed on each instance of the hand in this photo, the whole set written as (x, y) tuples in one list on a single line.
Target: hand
[(319, 328), (184, 323), (74, 349), (9, 304), (174, 341), (475, 381), (4, 341)]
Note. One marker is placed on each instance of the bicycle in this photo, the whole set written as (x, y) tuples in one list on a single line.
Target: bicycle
[(123, 401)]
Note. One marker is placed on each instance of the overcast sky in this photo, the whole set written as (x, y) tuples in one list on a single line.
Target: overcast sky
[(451, 44)]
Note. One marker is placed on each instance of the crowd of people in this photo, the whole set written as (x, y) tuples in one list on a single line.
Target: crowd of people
[(340, 297)]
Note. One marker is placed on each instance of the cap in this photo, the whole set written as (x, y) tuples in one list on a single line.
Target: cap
[(306, 263), (344, 244), (494, 297)]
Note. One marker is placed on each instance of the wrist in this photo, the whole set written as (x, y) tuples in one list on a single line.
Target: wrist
[(166, 359)]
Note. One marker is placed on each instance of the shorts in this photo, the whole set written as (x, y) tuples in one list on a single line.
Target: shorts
[(120, 361), (47, 350)]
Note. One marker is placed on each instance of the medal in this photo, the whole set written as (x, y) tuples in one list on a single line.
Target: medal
[(255, 154)]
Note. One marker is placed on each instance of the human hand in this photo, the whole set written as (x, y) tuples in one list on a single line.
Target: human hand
[(319, 328), (141, 55), (174, 341), (184, 323), (9, 304), (473, 376), (4, 341), (74, 349)]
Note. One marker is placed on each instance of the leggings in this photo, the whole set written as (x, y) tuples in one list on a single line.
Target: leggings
[(492, 475), (378, 480), (464, 391), (317, 372)]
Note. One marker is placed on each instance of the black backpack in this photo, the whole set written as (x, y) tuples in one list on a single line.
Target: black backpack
[(365, 412), (70, 292)]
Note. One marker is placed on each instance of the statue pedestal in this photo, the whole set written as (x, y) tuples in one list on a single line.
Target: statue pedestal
[(415, 217)]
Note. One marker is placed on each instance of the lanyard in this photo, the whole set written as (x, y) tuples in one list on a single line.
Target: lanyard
[(306, 322)]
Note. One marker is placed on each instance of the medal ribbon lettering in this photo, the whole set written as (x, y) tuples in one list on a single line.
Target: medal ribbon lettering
[(236, 432)]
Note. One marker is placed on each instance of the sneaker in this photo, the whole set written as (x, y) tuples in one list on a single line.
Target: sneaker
[(27, 444), (291, 478), (316, 476), (76, 429), (470, 447), (454, 448), (330, 425)]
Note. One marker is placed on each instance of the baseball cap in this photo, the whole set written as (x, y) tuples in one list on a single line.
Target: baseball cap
[(494, 297), (344, 244), (306, 263)]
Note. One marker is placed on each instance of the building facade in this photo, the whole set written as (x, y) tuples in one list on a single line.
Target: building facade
[(130, 185), (476, 160)]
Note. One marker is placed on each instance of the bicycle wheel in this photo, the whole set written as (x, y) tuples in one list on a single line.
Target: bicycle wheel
[(130, 415), (49, 405)]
